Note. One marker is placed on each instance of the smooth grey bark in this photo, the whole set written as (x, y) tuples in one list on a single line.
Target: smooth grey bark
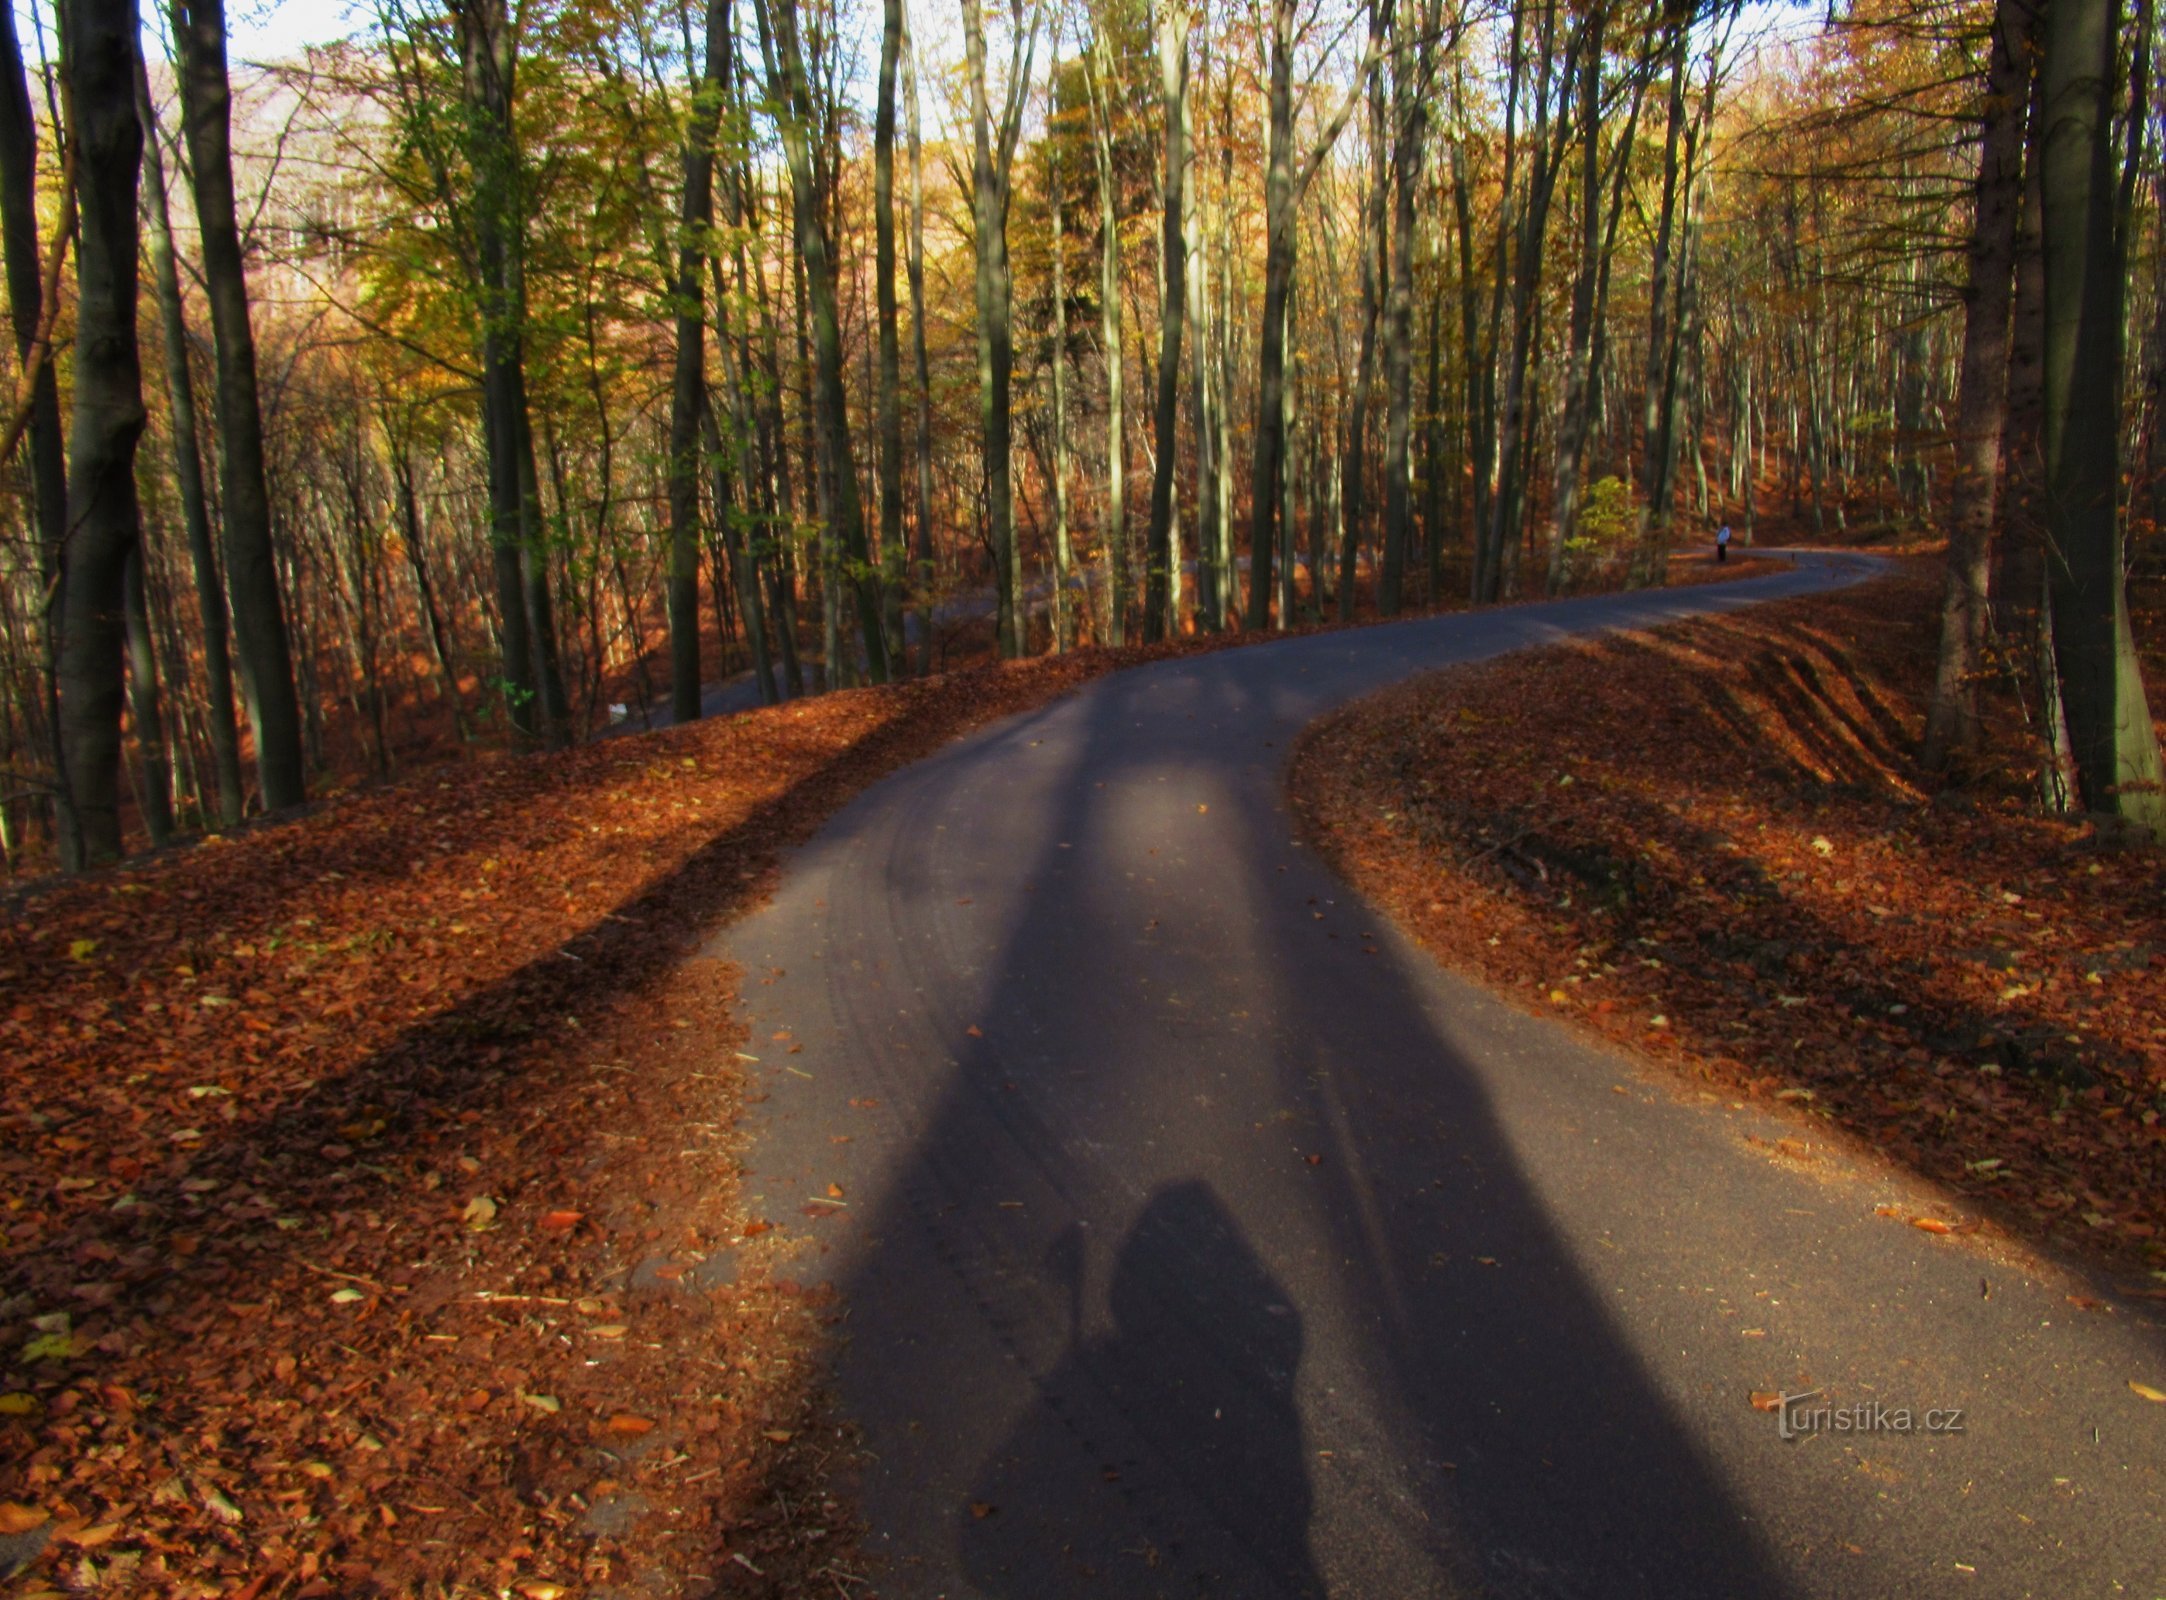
[(688, 379), (33, 304), (103, 524), (1056, 206), (1161, 583), (1598, 221), (1114, 533), (259, 620), (991, 173), (181, 424), (443, 649), (154, 796), (2111, 735), (1981, 401), (1497, 570), (497, 206), (1209, 597), (792, 96), (1413, 59), (1287, 175), (893, 561), (1376, 217), (922, 557)]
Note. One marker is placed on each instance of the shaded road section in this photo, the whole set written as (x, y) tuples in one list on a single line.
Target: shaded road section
[(1198, 1236)]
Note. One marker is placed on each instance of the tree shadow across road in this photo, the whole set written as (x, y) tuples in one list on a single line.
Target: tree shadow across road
[(1305, 1371)]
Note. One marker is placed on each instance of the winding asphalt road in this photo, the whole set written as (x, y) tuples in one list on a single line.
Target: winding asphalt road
[(1200, 1237)]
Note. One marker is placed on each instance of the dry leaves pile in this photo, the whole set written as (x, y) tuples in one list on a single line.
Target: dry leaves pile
[(368, 1205), (1709, 842)]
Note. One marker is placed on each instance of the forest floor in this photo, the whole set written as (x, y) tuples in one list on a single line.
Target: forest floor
[(369, 1217), (1709, 845)]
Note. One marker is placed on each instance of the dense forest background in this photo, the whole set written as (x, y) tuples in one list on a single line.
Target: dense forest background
[(509, 373)]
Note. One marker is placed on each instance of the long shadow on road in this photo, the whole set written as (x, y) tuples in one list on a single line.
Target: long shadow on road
[(1207, 1267)]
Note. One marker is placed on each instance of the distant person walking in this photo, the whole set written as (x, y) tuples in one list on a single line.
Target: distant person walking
[(1722, 543)]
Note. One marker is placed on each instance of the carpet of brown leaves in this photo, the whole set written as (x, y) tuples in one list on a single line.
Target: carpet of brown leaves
[(1709, 843), (368, 1204), (369, 1216)]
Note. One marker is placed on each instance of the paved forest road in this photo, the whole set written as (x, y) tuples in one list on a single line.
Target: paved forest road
[(1191, 1249)]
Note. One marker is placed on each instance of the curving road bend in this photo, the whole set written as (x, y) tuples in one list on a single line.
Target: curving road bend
[(1201, 1238)]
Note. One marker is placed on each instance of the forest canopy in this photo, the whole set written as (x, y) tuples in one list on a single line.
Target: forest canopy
[(497, 376)]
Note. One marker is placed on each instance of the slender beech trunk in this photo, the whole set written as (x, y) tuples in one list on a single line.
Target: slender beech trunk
[(188, 467), (1209, 595), (33, 304), (1287, 175), (1376, 229), (992, 169), (1114, 534), (1411, 75), (2110, 730), (1951, 725), (922, 577), (155, 793), (1063, 556), (1161, 579), (893, 562), (793, 95), (103, 525), (688, 387), (259, 622)]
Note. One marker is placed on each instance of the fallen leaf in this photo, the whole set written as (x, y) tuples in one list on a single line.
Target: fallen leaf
[(630, 1425), (215, 1502), (540, 1589), (1766, 1400), (834, 1191), (610, 1330), (542, 1402), (778, 1435), (1931, 1225), (480, 1214), (980, 1510), (560, 1221), (2144, 1391), (18, 1518)]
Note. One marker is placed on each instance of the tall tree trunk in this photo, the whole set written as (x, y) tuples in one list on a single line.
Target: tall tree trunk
[(1654, 394), (1376, 229), (893, 559), (791, 91), (1161, 580), (33, 305), (144, 712), (1411, 59), (992, 167), (259, 621), (1209, 590), (188, 467), (2109, 718), (922, 577), (688, 388), (1981, 399), (1063, 555), (1287, 175), (103, 526), (1114, 533)]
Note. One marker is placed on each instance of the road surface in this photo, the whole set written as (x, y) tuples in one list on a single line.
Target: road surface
[(1200, 1237)]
